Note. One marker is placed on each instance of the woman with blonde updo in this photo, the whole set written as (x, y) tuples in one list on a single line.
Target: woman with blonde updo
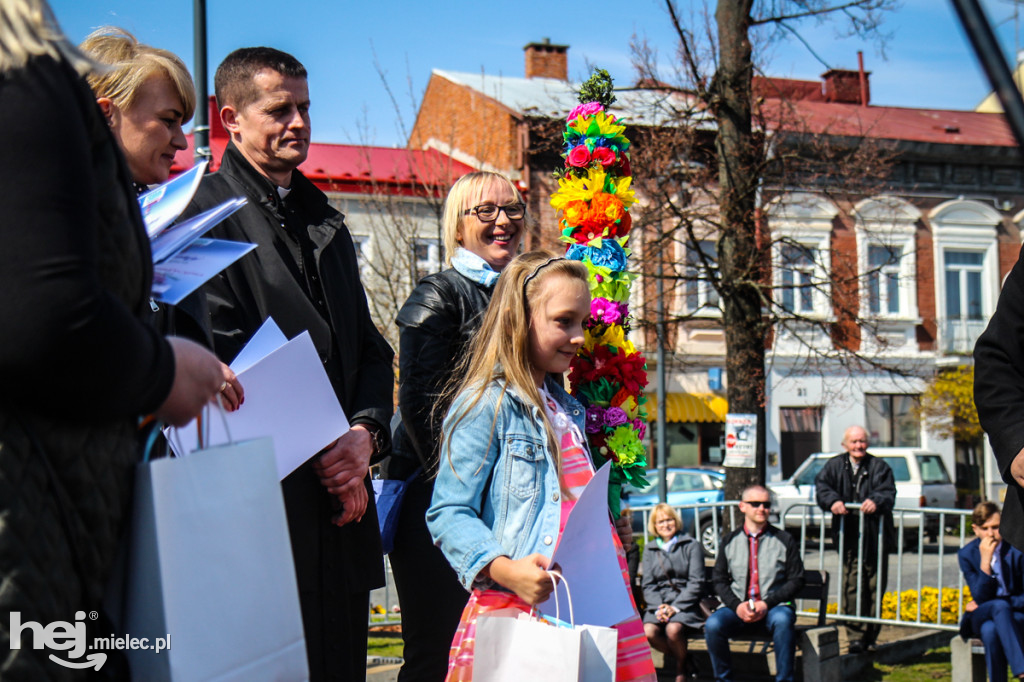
[(147, 96)]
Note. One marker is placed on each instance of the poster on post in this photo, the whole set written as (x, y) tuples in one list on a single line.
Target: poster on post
[(740, 441)]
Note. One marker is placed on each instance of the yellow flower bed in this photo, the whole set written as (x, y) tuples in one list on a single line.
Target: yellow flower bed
[(953, 603)]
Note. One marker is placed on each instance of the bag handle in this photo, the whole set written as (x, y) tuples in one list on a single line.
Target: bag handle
[(568, 595), (203, 434), (203, 425)]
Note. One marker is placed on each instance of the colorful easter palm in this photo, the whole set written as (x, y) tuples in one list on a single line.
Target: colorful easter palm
[(608, 374)]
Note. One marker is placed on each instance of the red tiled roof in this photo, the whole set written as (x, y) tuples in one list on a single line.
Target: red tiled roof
[(354, 168), (942, 126)]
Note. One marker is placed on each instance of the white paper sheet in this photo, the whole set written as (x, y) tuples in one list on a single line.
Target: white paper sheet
[(287, 397), (586, 556), (265, 341), (162, 204), (174, 239)]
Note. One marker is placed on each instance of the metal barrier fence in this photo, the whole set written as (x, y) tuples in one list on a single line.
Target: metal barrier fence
[(386, 597), (707, 519), (946, 577)]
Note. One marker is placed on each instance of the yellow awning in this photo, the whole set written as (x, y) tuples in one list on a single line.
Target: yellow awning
[(689, 407)]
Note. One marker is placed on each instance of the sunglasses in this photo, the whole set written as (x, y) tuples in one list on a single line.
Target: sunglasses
[(759, 503)]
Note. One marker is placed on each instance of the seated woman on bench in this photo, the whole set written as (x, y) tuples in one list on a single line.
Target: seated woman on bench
[(673, 567), (995, 573)]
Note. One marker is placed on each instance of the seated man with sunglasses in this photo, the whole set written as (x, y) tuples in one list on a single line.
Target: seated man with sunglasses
[(757, 575)]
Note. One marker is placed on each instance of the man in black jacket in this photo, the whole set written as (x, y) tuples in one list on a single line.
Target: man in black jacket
[(856, 476), (999, 396), (304, 274), (757, 574)]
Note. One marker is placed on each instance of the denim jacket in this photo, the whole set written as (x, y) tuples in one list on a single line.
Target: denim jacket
[(497, 491)]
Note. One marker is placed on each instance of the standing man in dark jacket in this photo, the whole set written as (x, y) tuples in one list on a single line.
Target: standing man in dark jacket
[(856, 476), (304, 274), (757, 575), (999, 396)]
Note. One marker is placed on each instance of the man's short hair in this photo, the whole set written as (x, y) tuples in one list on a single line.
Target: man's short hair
[(233, 82), (755, 486)]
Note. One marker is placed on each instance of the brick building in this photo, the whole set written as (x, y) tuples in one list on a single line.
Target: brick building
[(928, 249)]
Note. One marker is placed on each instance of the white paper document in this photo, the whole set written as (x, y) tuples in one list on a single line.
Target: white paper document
[(287, 397), (265, 341), (162, 204), (177, 277), (587, 558), (174, 239)]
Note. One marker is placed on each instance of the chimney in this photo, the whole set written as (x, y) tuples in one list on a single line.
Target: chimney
[(844, 86), (544, 60)]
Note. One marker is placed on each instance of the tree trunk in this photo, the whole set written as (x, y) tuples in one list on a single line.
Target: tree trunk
[(740, 255)]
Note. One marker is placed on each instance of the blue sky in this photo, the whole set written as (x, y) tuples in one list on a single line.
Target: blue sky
[(928, 61)]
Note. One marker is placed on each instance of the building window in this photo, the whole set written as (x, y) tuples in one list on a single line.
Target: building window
[(883, 279), (963, 284), (966, 271), (426, 257), (700, 293), (797, 265), (892, 420)]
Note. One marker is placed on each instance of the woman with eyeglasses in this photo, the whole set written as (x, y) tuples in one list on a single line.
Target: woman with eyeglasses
[(673, 568), (484, 221)]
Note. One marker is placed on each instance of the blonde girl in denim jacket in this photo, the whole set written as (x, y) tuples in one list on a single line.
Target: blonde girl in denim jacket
[(514, 458)]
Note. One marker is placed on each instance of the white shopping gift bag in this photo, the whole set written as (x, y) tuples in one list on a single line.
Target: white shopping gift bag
[(210, 569), (522, 649)]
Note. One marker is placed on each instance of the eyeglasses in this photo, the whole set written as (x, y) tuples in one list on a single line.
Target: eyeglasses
[(488, 213), (664, 522), (759, 503)]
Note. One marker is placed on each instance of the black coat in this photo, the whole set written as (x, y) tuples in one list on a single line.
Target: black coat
[(874, 479), (436, 323), (319, 292), (999, 393), (78, 361)]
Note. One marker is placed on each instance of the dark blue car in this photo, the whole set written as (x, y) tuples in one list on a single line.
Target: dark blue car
[(685, 486)]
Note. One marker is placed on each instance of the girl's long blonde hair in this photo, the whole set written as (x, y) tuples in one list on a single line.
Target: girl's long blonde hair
[(500, 351), (29, 29)]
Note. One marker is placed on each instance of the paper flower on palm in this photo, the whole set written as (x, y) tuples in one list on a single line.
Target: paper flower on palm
[(606, 283), (572, 188), (610, 255), (612, 335), (603, 311), (587, 109), (628, 370), (627, 447)]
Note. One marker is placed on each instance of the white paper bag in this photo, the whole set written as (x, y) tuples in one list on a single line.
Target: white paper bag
[(598, 653), (517, 650), (525, 649), (210, 565)]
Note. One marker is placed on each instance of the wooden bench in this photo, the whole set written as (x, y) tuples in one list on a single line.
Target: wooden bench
[(818, 643)]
